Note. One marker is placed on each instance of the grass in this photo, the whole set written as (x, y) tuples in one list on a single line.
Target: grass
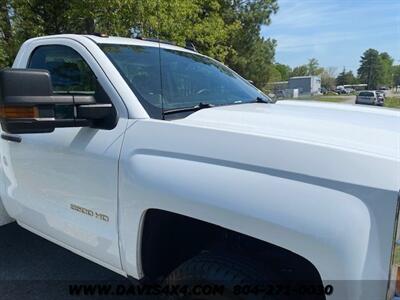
[(397, 256), (329, 98), (392, 102), (324, 98)]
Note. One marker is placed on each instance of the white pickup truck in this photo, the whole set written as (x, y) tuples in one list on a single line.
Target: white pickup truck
[(162, 164)]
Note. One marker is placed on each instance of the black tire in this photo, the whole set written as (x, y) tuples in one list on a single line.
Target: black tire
[(216, 270)]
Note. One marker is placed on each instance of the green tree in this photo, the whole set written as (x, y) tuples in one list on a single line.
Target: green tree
[(313, 68), (249, 54), (200, 22), (387, 69), (8, 45), (228, 30), (346, 78), (274, 74), (371, 69), (328, 79), (284, 71), (300, 71), (396, 76)]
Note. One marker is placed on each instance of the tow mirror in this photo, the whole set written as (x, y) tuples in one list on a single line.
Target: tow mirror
[(28, 104)]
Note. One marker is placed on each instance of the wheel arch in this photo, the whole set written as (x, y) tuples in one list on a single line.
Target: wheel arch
[(167, 239)]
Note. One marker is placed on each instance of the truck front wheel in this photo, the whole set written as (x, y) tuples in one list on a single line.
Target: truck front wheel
[(211, 276)]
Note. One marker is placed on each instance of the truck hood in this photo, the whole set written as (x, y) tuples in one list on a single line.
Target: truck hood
[(350, 127)]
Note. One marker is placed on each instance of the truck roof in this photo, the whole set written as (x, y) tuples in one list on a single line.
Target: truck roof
[(117, 41)]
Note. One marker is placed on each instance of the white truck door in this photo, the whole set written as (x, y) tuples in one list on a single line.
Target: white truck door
[(63, 185)]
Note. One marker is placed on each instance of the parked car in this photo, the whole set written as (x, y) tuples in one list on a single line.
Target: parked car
[(369, 97), (343, 91), (381, 96), (340, 91), (164, 165), (326, 91)]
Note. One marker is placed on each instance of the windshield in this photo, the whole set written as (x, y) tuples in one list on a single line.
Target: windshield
[(165, 79), (366, 94)]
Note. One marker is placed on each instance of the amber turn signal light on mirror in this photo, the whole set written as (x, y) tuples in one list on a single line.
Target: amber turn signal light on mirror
[(18, 112)]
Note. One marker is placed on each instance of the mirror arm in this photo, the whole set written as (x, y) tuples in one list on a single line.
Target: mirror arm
[(93, 111)]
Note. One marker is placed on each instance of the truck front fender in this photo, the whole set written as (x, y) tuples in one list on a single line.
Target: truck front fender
[(339, 227)]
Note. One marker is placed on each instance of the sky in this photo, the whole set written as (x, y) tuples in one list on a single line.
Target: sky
[(336, 32)]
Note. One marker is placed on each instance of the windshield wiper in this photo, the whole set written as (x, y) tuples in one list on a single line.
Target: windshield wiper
[(202, 105), (197, 107)]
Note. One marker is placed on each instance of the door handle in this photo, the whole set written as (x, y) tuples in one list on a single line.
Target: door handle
[(11, 138)]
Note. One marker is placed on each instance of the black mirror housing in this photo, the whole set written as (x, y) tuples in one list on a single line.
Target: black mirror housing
[(27, 101), (17, 84), (28, 105)]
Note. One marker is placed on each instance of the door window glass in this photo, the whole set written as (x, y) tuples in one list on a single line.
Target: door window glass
[(69, 72)]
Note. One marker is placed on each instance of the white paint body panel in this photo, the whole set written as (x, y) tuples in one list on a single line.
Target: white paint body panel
[(46, 173), (320, 180), (298, 195), (4, 217)]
